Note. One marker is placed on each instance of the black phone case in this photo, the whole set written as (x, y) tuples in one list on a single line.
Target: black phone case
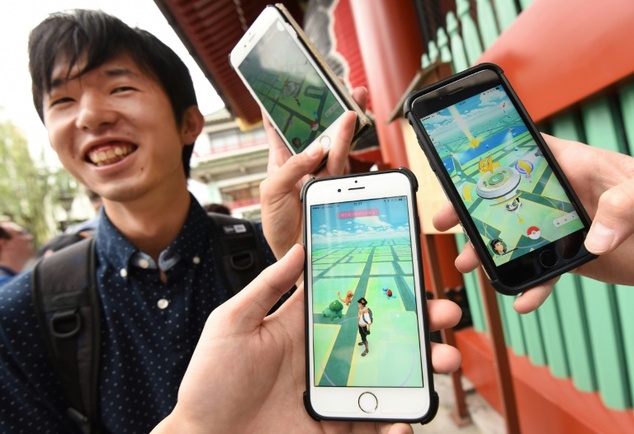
[(467, 224), (433, 400)]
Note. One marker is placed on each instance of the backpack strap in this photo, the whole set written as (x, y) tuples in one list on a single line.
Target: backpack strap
[(238, 250), (66, 302)]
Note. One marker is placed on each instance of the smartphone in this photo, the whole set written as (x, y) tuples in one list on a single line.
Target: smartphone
[(288, 78), (367, 346), (514, 202)]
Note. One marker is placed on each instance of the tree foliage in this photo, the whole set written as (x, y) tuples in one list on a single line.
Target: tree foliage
[(29, 190)]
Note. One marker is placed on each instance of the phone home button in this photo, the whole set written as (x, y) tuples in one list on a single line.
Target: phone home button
[(368, 402), (547, 258), (324, 141)]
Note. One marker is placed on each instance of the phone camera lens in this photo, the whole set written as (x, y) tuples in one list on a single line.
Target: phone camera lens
[(338, 190)]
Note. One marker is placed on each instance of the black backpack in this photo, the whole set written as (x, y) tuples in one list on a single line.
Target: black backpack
[(66, 302)]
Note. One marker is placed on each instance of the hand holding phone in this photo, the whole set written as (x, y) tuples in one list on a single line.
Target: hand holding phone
[(291, 82), (363, 271), (514, 202)]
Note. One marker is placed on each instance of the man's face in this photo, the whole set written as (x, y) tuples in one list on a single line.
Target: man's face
[(20, 247), (114, 129)]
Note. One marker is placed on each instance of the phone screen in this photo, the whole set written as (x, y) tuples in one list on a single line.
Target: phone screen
[(515, 201), (289, 87), (362, 250)]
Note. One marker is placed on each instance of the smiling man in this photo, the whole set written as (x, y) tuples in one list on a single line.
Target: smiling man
[(121, 114)]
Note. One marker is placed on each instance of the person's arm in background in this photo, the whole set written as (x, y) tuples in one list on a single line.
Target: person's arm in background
[(604, 182)]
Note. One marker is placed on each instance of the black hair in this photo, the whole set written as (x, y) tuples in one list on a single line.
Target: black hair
[(363, 301), (495, 241), (96, 37)]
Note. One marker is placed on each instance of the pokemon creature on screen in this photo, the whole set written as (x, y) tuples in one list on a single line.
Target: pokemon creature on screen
[(365, 326), (503, 179)]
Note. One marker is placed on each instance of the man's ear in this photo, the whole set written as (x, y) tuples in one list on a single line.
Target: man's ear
[(192, 125)]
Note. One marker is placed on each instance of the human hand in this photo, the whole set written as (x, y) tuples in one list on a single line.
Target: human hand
[(280, 192), (604, 183), (247, 373)]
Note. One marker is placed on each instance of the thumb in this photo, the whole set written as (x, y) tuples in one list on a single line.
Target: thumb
[(248, 308), (614, 220)]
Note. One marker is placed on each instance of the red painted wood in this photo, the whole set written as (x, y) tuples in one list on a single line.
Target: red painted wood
[(545, 404), (559, 52)]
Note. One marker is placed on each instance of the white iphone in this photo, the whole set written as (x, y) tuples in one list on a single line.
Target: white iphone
[(288, 78), (366, 321)]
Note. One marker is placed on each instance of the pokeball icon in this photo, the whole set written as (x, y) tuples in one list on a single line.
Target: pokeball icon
[(533, 232)]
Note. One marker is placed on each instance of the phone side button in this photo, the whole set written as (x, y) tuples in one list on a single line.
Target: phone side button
[(368, 402), (547, 259)]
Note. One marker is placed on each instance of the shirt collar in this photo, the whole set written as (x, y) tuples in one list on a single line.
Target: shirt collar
[(121, 253), (7, 271)]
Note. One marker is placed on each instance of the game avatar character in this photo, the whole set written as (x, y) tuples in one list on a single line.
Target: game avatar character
[(297, 143), (498, 246), (364, 319)]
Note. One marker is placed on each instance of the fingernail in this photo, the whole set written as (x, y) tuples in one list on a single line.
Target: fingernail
[(600, 238), (313, 149)]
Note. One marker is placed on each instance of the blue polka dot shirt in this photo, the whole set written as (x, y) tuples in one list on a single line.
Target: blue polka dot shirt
[(149, 331)]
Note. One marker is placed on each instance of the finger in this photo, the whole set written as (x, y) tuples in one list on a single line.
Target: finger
[(360, 95), (442, 314), (248, 308), (397, 428), (560, 147), (341, 137), (614, 220), (534, 297), (273, 138), (286, 175), (307, 162), (446, 218), (367, 427), (467, 260), (445, 358), (278, 152)]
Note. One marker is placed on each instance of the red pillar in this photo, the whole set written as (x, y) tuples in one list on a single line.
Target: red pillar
[(391, 48)]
